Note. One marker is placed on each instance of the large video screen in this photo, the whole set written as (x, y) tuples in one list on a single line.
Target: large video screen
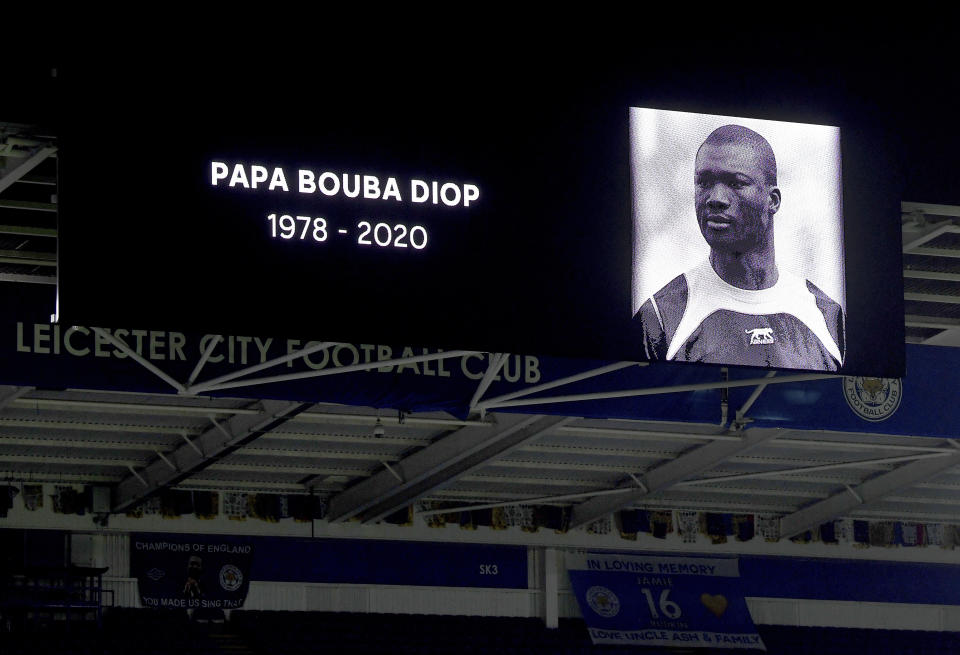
[(738, 240), (608, 221)]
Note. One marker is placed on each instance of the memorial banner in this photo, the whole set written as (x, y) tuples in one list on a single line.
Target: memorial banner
[(191, 571), (663, 601)]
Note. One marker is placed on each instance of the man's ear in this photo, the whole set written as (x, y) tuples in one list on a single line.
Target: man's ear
[(774, 204)]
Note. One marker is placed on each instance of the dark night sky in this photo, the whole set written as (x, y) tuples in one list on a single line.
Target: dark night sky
[(902, 77)]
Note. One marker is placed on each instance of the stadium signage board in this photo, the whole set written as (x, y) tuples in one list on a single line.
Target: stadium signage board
[(497, 219)]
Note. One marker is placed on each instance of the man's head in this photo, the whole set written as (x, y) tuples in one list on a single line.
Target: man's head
[(736, 190)]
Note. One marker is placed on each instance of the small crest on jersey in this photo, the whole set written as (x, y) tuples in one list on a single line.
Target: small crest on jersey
[(760, 336), (873, 399)]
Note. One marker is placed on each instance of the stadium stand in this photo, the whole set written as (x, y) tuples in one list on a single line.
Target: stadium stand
[(158, 632)]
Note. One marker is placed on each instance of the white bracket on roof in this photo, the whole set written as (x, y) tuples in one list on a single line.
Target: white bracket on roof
[(138, 476), (203, 358), (740, 418), (497, 403), (854, 493), (493, 403), (639, 483), (220, 382), (164, 458), (387, 466), (496, 363), (229, 381), (191, 444), (122, 346)]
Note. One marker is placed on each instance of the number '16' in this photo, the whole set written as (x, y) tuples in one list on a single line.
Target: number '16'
[(669, 608)]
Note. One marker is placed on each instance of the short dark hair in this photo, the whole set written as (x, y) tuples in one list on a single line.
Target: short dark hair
[(740, 135)]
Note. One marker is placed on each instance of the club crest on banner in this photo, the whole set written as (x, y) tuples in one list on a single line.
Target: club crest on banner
[(873, 399), (230, 577), (603, 601), (156, 574)]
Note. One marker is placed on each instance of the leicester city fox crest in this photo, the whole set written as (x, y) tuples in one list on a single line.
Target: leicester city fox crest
[(873, 399), (230, 577)]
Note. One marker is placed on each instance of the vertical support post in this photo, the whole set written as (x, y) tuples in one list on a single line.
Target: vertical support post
[(551, 589)]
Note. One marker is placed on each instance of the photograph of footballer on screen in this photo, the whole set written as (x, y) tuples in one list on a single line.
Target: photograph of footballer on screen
[(737, 240)]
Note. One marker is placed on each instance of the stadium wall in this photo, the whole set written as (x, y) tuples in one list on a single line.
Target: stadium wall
[(915, 583)]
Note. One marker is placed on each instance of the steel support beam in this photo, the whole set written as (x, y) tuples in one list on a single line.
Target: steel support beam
[(740, 418), (121, 345), (290, 377), (541, 500), (293, 469), (203, 359), (945, 338), (25, 167), (134, 408), (933, 297), (933, 322), (138, 445), (592, 373), (12, 394), (930, 209), (205, 449), (931, 275), (494, 403), (496, 363), (96, 428), (935, 252), (28, 231), (865, 494), (437, 465), (331, 418), (24, 258), (879, 461), (71, 460), (28, 279), (276, 361), (914, 239), (26, 205), (693, 462)]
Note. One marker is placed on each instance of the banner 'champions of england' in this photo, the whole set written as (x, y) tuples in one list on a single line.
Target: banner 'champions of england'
[(662, 601), (191, 571)]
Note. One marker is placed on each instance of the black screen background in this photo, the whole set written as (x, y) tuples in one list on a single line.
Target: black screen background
[(541, 264)]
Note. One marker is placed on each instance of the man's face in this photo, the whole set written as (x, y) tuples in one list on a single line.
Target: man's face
[(734, 205)]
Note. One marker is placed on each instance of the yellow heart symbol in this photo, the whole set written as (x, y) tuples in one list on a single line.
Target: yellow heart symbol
[(716, 604)]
